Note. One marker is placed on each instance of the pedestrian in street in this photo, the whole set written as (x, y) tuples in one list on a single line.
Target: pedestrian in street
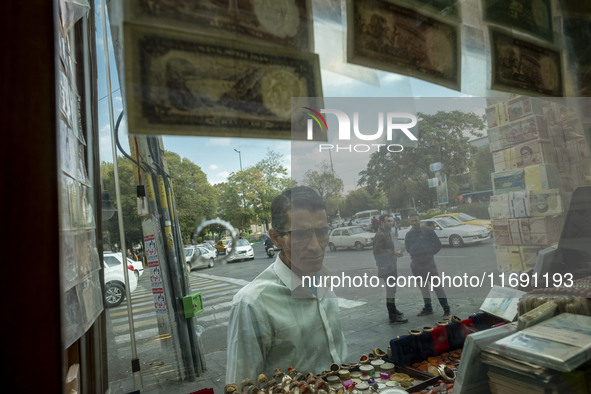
[(423, 244), (374, 224), (386, 257), (281, 319), (397, 223)]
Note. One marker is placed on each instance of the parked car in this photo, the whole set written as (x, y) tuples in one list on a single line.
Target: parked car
[(198, 257), (209, 246), (222, 244), (138, 267), (365, 224), (350, 237), (244, 251), (464, 218), (114, 279), (452, 232)]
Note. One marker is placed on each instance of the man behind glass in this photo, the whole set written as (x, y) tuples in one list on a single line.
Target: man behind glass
[(275, 322)]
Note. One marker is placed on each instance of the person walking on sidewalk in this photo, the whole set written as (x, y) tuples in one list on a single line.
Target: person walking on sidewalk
[(422, 244), (386, 256)]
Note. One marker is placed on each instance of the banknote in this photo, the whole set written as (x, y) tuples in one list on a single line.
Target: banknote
[(278, 22), (519, 64), (393, 38), (533, 17), (185, 83)]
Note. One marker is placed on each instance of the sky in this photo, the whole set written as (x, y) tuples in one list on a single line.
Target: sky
[(218, 158)]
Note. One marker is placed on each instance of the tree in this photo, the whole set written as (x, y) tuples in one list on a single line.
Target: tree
[(127, 203), (327, 185), (247, 196), (484, 166), (195, 198), (444, 137), (361, 200)]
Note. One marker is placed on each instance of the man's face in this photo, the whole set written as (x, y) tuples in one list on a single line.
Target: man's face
[(387, 223), (303, 248), (526, 156), (415, 222)]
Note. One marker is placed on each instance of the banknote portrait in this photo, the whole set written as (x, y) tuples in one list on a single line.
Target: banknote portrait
[(185, 83), (393, 38), (519, 64), (531, 16), (278, 22)]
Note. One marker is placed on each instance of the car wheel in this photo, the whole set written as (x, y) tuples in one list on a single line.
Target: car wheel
[(137, 274), (358, 246), (456, 241), (332, 247), (114, 294), (210, 262)]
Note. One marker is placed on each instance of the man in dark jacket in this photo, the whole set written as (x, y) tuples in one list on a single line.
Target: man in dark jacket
[(422, 244), (386, 257)]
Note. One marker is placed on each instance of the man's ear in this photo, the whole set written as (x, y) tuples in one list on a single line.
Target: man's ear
[(277, 239)]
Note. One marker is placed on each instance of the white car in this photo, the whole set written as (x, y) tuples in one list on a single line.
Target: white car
[(199, 256), (350, 237), (452, 232), (138, 267), (244, 251), (114, 290)]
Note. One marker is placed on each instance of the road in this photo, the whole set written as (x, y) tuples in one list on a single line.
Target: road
[(219, 284)]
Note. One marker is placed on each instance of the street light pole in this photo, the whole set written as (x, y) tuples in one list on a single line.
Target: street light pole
[(239, 158)]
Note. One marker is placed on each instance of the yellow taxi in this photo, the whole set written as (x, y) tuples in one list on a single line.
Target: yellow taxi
[(467, 219), (222, 244)]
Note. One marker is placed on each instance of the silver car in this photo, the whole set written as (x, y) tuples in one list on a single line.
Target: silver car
[(199, 257)]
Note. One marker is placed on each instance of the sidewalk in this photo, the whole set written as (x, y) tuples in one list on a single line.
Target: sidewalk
[(363, 329)]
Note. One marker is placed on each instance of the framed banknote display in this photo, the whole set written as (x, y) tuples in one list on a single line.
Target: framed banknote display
[(390, 37), (189, 84), (277, 22), (532, 16), (525, 66)]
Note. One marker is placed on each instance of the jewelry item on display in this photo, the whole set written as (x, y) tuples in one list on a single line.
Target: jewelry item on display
[(446, 372), (231, 388), (246, 383), (387, 367), (379, 352)]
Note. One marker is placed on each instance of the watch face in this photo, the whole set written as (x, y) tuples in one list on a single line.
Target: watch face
[(280, 17)]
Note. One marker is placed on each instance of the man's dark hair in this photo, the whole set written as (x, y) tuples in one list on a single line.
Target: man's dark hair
[(414, 213), (383, 218), (526, 149), (300, 197)]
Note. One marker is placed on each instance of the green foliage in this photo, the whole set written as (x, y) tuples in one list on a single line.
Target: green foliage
[(444, 137), (195, 199), (127, 204), (484, 166), (327, 185), (361, 200), (247, 196)]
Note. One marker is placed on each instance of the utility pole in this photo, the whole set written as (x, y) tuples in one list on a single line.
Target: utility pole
[(239, 158)]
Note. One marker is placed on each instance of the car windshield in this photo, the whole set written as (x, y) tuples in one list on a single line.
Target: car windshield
[(464, 217), (356, 230), (242, 242), (448, 222), (189, 252)]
